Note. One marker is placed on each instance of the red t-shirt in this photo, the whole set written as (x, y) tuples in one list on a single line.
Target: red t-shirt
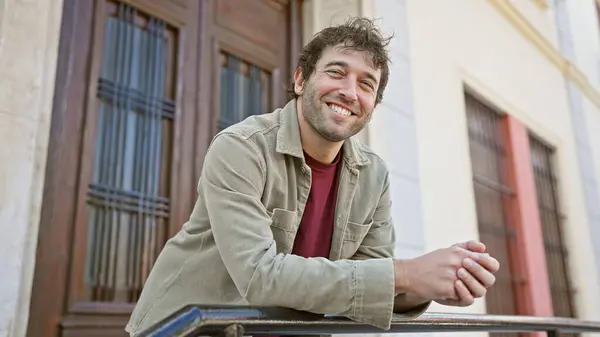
[(313, 238)]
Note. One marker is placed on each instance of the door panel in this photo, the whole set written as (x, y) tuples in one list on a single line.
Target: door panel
[(123, 211), (244, 61), (251, 58), (128, 194), (249, 84), (259, 21), (123, 123)]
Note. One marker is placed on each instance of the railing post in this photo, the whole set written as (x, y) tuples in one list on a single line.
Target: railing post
[(233, 330)]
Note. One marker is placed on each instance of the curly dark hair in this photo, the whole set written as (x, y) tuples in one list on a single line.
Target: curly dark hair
[(360, 34)]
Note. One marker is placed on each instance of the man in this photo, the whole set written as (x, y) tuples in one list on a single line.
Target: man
[(293, 212)]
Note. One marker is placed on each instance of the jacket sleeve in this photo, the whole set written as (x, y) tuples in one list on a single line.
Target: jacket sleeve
[(380, 243), (232, 182)]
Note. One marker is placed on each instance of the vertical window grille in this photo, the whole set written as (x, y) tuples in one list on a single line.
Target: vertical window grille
[(551, 221), (128, 196), (245, 90), (492, 196)]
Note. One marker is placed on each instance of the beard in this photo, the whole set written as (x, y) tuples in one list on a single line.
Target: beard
[(312, 111)]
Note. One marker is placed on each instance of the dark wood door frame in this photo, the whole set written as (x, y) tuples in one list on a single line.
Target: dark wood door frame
[(49, 305), (60, 189)]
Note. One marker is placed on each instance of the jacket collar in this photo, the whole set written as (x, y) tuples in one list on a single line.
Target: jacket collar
[(288, 139)]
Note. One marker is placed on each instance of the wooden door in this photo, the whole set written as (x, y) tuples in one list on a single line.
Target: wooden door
[(141, 87)]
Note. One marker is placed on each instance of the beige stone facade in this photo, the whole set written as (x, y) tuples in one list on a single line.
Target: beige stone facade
[(29, 36)]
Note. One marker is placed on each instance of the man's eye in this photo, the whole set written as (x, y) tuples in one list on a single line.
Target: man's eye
[(335, 72), (368, 85)]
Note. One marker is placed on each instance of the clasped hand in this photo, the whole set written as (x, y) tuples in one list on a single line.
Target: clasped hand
[(455, 276)]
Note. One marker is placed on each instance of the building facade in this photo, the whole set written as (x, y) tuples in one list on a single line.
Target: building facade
[(490, 125)]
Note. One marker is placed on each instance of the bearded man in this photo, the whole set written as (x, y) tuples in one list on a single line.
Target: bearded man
[(293, 212)]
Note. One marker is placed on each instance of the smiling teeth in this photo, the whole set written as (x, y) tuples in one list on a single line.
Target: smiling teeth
[(339, 110)]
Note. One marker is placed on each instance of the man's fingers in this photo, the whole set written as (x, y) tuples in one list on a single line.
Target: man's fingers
[(474, 246), (486, 261), (483, 277), (475, 287), (465, 297)]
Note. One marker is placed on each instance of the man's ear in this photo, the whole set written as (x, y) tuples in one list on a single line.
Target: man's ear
[(298, 81)]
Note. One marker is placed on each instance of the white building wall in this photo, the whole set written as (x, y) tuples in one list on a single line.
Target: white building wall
[(592, 169), (579, 42), (541, 18), (29, 36), (586, 257), (585, 37)]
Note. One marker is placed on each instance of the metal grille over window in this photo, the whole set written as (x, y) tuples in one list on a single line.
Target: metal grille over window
[(492, 196), (128, 197), (552, 219), (245, 90)]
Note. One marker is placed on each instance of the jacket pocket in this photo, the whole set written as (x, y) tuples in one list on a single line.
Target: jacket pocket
[(356, 232), (284, 219), (284, 226), (353, 237)]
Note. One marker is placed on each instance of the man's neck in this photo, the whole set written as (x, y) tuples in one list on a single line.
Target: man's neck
[(314, 144)]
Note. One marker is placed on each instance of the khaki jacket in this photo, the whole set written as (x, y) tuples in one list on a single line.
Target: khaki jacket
[(235, 248)]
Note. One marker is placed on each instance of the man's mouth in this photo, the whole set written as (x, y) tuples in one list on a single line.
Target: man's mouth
[(339, 110)]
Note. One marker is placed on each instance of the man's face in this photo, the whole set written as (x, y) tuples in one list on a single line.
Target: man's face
[(339, 97)]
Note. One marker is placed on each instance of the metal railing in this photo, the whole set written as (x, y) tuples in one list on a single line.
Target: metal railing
[(236, 321)]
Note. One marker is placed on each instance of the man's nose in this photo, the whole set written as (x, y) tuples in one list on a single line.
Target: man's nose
[(348, 91)]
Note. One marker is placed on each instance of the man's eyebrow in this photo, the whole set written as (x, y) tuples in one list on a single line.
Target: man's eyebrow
[(345, 65), (337, 63)]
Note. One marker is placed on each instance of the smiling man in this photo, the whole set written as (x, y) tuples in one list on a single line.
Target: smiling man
[(293, 212)]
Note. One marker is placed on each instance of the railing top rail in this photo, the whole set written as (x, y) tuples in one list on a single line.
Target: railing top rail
[(200, 320)]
